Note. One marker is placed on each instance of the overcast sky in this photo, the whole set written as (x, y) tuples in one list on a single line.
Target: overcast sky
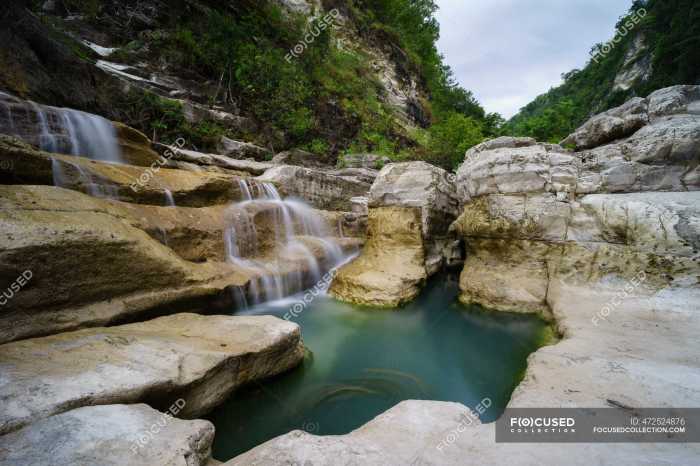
[(507, 52)]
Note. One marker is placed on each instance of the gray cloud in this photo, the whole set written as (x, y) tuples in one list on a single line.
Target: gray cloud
[(508, 52)]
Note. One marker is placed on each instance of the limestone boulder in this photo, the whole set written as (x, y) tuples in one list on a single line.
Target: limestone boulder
[(390, 271), (302, 158), (243, 150), (418, 184), (517, 166), (625, 120), (514, 253), (414, 429), (609, 126), (662, 156), (671, 140), (532, 216), (199, 359), (202, 161), (681, 99), (368, 161), (110, 435), (664, 222), (320, 189), (507, 275), (428, 188)]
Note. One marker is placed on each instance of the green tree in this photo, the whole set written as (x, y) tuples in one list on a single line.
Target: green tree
[(451, 137)]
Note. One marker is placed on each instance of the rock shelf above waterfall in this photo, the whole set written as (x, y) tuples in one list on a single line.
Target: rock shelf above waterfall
[(127, 183), (68, 131)]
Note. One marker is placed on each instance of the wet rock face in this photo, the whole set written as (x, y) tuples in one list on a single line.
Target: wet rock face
[(128, 183), (111, 258), (72, 132)]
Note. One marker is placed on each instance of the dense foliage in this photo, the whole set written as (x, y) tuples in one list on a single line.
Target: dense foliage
[(671, 29), (326, 99)]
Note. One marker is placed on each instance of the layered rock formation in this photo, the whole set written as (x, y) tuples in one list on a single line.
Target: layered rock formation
[(391, 268), (321, 189), (411, 206), (185, 356), (531, 215)]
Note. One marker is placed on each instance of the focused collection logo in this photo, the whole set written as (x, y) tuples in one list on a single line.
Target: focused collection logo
[(538, 425)]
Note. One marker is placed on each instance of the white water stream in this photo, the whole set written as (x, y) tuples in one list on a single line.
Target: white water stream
[(292, 221)]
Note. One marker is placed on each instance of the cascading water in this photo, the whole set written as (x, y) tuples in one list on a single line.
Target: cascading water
[(63, 179), (294, 225), (169, 199), (60, 130)]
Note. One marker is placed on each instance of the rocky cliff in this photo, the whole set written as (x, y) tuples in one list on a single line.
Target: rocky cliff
[(164, 68)]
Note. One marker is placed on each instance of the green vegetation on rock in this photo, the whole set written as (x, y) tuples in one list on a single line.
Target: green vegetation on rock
[(330, 98), (669, 34)]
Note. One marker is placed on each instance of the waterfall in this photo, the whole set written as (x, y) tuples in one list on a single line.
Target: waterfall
[(60, 130), (295, 226), (169, 199), (62, 179)]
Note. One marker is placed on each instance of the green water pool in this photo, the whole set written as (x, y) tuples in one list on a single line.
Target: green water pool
[(362, 362)]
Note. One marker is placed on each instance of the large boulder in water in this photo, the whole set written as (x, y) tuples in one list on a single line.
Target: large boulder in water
[(529, 205), (199, 359), (432, 191), (411, 207), (390, 271)]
